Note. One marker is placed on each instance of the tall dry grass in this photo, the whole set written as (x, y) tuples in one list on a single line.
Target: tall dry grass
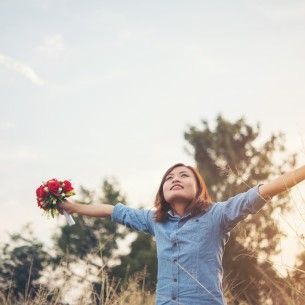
[(132, 292), (286, 292)]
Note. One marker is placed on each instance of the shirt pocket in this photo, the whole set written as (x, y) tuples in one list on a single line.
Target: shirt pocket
[(196, 229)]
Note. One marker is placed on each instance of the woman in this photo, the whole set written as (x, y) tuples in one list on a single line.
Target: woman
[(190, 231)]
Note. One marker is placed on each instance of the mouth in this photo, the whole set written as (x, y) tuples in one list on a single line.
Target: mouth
[(177, 187)]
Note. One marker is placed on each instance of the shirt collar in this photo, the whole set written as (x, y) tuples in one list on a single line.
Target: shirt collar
[(172, 214)]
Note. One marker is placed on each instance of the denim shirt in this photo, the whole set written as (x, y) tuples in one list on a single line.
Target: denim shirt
[(190, 249)]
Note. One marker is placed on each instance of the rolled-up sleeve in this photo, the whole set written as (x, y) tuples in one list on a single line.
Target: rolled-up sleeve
[(136, 219), (235, 209)]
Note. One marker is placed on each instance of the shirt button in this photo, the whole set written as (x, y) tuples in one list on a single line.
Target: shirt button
[(197, 220), (174, 298), (174, 244), (175, 280), (175, 261)]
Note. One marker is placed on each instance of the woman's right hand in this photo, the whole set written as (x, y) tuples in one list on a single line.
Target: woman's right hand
[(65, 205)]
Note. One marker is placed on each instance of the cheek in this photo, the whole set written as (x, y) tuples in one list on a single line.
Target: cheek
[(193, 190), (164, 191)]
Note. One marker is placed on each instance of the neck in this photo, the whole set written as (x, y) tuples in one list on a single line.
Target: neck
[(178, 208)]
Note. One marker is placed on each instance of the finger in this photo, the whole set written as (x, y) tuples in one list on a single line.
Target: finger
[(60, 207)]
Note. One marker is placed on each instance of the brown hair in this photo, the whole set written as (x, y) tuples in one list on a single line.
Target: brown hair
[(195, 207)]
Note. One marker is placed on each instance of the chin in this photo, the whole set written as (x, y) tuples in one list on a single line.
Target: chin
[(184, 199)]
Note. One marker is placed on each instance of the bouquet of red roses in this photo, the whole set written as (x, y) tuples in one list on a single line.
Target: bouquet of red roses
[(51, 193)]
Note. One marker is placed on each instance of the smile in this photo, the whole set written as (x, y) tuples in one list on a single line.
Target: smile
[(177, 187)]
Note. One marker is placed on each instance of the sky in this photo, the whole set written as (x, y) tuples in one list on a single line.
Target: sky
[(98, 89)]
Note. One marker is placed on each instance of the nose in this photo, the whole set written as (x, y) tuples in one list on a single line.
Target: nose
[(175, 180)]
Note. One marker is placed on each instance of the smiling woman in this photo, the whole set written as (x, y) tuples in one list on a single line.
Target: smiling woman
[(183, 190), (190, 231)]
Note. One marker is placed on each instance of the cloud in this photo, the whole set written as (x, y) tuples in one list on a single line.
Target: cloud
[(21, 69), (22, 154), (42, 3), (52, 46), (277, 12), (6, 125)]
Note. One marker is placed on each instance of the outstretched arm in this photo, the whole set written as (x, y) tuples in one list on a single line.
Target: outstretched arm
[(137, 219), (282, 183), (93, 210)]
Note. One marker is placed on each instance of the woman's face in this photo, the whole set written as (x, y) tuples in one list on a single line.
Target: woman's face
[(180, 185)]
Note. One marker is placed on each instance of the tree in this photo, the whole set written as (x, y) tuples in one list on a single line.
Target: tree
[(98, 235), (298, 275), (21, 264), (93, 241), (231, 159), (142, 257)]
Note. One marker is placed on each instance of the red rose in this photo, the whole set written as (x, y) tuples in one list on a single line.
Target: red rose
[(40, 204), (41, 193), (53, 186), (67, 186)]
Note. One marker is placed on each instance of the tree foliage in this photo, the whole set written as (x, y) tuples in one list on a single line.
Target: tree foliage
[(92, 235), (232, 158), (22, 262), (142, 256), (299, 273), (93, 242)]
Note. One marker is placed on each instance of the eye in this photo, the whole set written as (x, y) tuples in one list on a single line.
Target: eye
[(184, 175), (168, 178)]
